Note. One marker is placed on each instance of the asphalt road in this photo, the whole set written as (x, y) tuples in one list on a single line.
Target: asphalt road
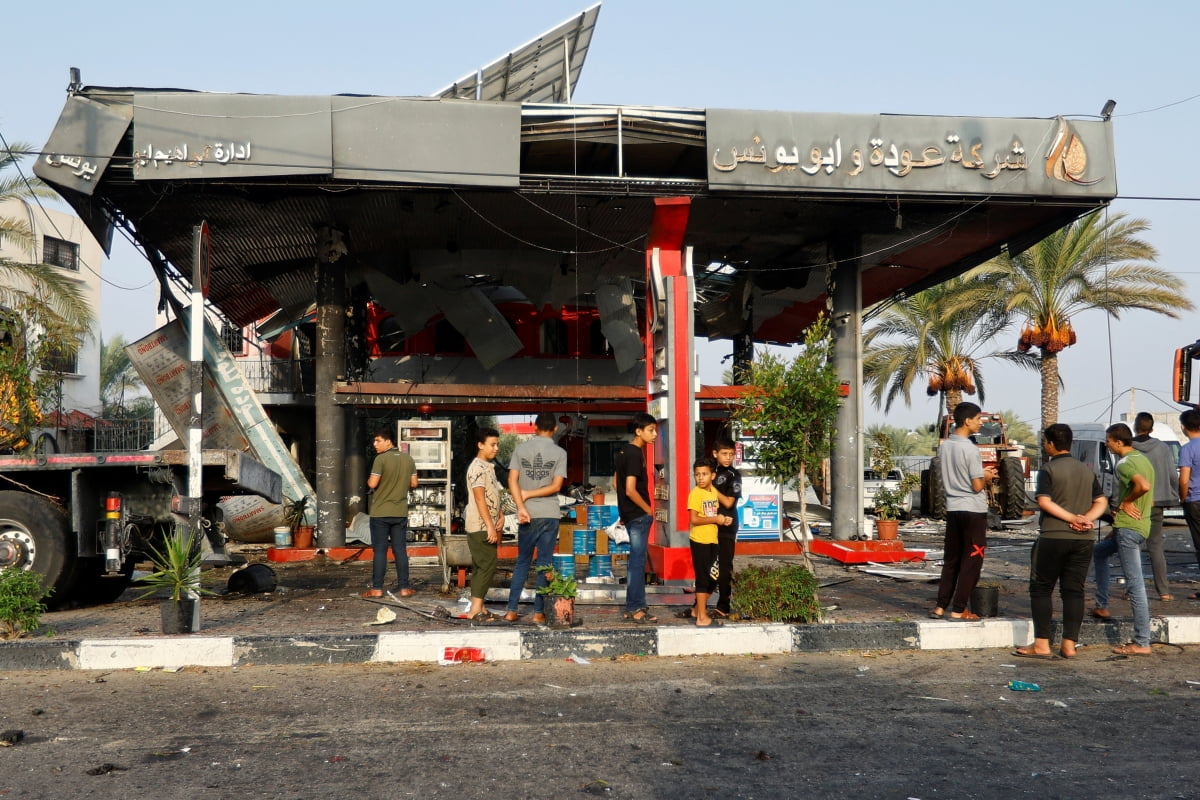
[(854, 725)]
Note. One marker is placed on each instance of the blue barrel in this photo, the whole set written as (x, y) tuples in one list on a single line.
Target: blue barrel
[(601, 516), (600, 567), (583, 541), (564, 564)]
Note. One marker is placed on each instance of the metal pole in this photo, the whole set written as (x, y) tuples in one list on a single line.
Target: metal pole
[(196, 373), (846, 463), (330, 426)]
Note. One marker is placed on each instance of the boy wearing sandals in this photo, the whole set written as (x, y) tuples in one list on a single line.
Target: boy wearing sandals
[(484, 520), (633, 506), (1071, 500), (728, 483), (965, 480), (704, 504)]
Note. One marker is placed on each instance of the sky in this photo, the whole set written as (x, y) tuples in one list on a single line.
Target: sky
[(1013, 59)]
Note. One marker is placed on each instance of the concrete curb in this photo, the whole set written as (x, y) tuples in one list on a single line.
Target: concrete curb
[(525, 644)]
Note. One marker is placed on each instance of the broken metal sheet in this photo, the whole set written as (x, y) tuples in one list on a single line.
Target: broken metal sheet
[(923, 575)]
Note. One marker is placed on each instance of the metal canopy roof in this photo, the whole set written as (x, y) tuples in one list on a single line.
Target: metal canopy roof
[(548, 202), (543, 70)]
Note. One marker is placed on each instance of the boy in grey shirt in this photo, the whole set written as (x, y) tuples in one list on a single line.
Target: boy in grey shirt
[(536, 473)]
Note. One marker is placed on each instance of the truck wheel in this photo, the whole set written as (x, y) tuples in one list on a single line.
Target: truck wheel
[(937, 492), (33, 536), (1013, 498)]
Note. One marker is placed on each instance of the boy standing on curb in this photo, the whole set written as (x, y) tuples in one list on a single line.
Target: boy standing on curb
[(485, 521), (633, 505), (728, 483), (965, 479), (1131, 527), (536, 473), (704, 505)]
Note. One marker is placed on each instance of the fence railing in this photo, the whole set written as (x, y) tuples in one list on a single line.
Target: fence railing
[(290, 377)]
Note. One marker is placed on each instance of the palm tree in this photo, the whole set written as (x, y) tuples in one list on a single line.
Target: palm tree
[(939, 336), (42, 313), (117, 376), (1096, 262), (44, 295)]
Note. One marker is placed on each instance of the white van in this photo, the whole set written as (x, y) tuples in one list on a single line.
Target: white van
[(1089, 447)]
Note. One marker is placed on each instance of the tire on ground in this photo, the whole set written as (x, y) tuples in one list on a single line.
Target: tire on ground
[(1013, 499), (937, 492), (39, 532)]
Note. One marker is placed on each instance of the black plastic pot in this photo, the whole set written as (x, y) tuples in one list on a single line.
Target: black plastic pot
[(182, 616), (985, 601)]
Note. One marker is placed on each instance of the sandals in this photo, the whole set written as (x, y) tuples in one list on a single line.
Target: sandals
[(511, 616), (966, 616), (1132, 649), (685, 614), (406, 592), (717, 613), (483, 616), (641, 617), (372, 593), (935, 614)]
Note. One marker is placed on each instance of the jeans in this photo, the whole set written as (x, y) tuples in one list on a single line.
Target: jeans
[(635, 582), (1127, 544), (542, 535), (387, 531)]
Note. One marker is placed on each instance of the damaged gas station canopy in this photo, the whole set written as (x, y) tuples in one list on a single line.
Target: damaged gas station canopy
[(496, 188)]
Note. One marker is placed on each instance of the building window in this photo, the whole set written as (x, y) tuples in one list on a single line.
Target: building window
[(63, 360), (60, 253), (231, 335)]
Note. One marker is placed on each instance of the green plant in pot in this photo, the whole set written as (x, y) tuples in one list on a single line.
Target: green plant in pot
[(889, 502), (176, 564), (560, 592)]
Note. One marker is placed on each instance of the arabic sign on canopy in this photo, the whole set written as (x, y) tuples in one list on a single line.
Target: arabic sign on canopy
[(774, 151), (190, 135)]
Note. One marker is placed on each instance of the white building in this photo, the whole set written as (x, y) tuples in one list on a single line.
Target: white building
[(62, 240)]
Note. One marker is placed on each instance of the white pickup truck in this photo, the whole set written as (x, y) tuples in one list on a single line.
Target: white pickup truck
[(872, 480)]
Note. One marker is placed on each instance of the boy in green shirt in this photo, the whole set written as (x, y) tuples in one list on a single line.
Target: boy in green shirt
[(1131, 527)]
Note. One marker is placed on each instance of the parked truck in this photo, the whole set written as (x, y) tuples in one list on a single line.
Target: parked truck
[(82, 520), (1007, 498)]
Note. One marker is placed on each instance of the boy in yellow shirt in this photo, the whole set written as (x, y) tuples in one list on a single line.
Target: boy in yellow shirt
[(705, 506)]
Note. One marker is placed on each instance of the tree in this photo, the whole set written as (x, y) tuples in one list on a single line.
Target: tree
[(938, 336), (790, 408), (42, 314), (42, 291), (118, 377), (1096, 262), (902, 441)]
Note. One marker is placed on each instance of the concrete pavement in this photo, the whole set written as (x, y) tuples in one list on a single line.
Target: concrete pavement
[(316, 616)]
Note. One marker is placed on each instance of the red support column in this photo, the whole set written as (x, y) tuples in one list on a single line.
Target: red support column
[(670, 378)]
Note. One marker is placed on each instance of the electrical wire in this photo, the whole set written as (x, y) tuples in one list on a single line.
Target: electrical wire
[(29, 186)]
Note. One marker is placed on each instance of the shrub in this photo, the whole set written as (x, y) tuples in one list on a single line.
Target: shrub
[(780, 594), (21, 607)]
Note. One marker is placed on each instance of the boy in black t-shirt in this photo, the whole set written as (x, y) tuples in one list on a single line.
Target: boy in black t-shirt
[(636, 511), (728, 483)]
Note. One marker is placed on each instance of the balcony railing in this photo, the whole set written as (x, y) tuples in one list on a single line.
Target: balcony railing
[(276, 376)]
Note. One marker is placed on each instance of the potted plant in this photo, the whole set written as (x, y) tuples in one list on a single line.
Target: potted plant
[(560, 592), (177, 570), (889, 507), (293, 516)]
